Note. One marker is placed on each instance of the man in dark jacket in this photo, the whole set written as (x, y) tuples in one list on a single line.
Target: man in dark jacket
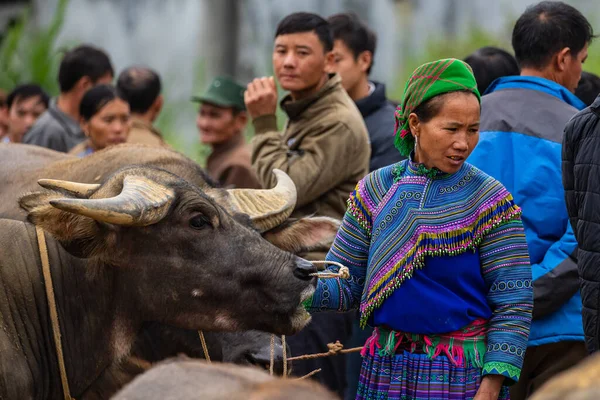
[(522, 122), (354, 49), (581, 179)]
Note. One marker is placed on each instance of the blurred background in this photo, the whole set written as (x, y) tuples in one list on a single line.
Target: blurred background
[(189, 42)]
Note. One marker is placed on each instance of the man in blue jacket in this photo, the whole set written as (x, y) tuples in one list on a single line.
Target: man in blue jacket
[(522, 122)]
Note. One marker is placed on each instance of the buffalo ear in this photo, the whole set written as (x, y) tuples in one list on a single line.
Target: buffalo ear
[(304, 234), (79, 235)]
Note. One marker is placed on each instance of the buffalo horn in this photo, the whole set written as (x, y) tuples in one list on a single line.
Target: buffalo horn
[(267, 208), (74, 188), (141, 202)]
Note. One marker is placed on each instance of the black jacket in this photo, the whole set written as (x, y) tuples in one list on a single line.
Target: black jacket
[(378, 114), (581, 179)]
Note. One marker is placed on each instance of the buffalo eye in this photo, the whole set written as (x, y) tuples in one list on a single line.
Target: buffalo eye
[(199, 222)]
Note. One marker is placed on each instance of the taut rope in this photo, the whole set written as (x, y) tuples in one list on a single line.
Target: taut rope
[(204, 347), (334, 349), (53, 311)]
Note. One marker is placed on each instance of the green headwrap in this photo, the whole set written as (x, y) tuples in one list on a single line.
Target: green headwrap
[(427, 81)]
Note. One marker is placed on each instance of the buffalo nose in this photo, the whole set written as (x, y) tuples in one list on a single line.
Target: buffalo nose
[(304, 269)]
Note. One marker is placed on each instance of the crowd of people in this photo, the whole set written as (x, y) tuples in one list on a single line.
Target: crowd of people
[(468, 211)]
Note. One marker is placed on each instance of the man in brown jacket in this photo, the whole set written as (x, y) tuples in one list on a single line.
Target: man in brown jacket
[(221, 121), (324, 148), (325, 145), (141, 87)]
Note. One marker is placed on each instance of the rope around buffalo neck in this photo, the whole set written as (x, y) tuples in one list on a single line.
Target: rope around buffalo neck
[(204, 347), (343, 273), (43, 249)]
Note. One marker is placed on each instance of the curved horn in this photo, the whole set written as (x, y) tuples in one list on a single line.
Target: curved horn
[(74, 188), (141, 202), (267, 208)]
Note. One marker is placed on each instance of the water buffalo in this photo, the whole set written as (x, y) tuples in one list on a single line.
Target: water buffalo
[(188, 379), (145, 245), (23, 165), (158, 342)]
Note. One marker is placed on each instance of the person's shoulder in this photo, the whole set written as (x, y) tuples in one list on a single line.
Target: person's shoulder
[(45, 120), (241, 155), (45, 126), (584, 125), (144, 135), (346, 115), (382, 177), (477, 177), (78, 148), (592, 112)]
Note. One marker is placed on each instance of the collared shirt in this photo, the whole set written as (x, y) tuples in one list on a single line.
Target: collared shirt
[(230, 164), (142, 132)]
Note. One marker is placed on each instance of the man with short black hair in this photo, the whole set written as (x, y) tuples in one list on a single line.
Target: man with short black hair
[(80, 69), (141, 87), (25, 105), (324, 148), (354, 52), (522, 122)]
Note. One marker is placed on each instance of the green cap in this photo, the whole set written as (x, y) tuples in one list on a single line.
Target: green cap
[(223, 92)]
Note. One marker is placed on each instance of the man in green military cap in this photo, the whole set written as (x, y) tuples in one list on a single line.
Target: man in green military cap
[(221, 121)]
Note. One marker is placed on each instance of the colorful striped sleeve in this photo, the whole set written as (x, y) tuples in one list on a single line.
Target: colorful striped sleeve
[(350, 248), (507, 271)]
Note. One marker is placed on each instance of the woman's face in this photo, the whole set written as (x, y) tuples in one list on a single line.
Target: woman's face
[(109, 126), (447, 139)]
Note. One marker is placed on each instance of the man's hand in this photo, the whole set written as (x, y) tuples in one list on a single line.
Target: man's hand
[(489, 388), (261, 97)]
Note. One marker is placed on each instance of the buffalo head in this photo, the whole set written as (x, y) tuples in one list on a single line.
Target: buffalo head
[(182, 259)]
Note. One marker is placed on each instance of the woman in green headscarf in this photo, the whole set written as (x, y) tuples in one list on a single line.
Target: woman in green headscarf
[(437, 256)]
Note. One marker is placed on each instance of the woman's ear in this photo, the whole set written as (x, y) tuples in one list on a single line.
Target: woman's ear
[(85, 126), (414, 124)]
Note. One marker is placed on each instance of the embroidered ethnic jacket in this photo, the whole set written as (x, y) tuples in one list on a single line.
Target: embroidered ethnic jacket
[(405, 222)]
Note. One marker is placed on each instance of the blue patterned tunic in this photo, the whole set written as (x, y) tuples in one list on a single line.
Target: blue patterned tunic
[(439, 261)]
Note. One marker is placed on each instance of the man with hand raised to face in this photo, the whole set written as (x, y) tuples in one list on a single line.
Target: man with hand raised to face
[(324, 148)]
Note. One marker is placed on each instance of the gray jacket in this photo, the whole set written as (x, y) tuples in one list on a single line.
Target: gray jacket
[(55, 130)]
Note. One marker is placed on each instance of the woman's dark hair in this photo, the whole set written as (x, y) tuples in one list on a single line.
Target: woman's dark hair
[(307, 22), (588, 88), (357, 36), (545, 29), (490, 63), (97, 97), (427, 110)]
